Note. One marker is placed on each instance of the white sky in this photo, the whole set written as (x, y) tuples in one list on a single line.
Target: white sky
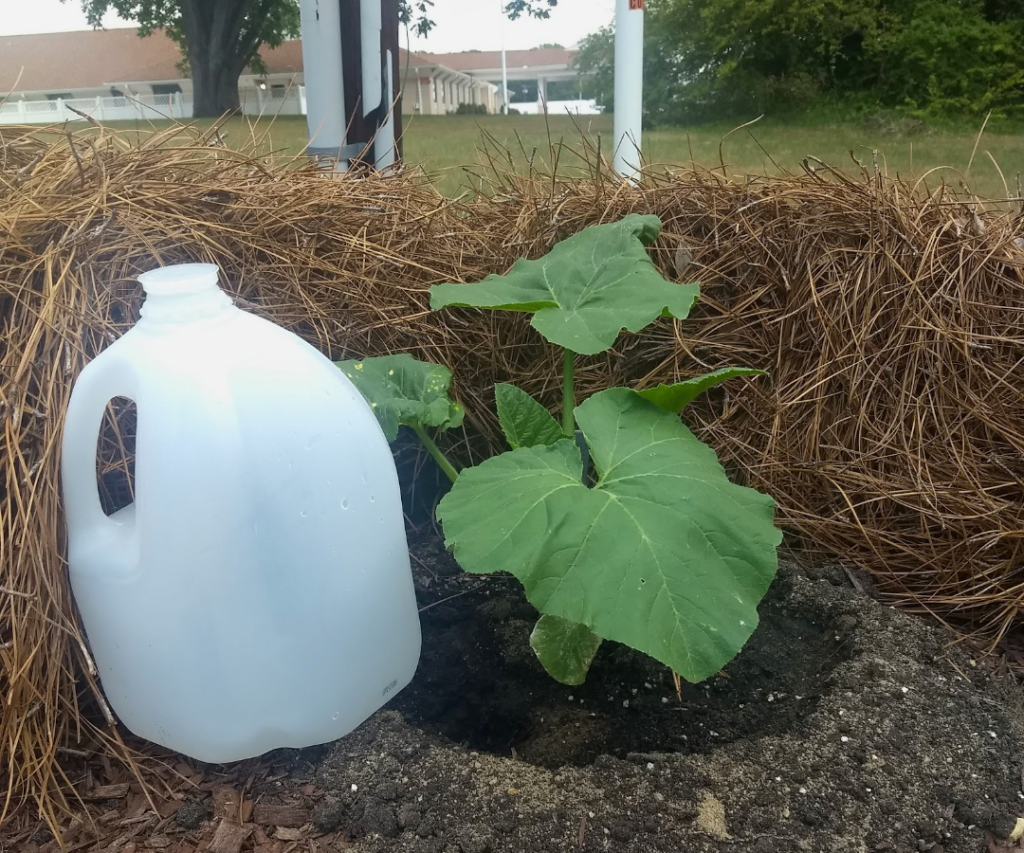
[(461, 24)]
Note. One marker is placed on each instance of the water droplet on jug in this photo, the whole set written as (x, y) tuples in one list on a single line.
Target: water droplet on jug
[(362, 475), (344, 503), (335, 715), (372, 498), (255, 530), (303, 513)]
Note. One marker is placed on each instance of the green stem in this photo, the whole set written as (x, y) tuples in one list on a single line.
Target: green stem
[(568, 394), (435, 451)]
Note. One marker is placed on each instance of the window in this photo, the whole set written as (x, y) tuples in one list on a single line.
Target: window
[(277, 90), (64, 96)]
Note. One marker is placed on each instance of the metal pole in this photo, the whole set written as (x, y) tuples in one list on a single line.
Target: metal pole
[(629, 86), (504, 66)]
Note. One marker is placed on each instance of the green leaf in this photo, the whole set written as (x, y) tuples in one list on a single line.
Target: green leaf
[(586, 290), (676, 397), (565, 649), (525, 422), (663, 554), (404, 392)]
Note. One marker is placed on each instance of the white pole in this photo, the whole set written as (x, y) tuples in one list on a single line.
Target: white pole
[(384, 147), (504, 66), (370, 26), (321, 63), (629, 85)]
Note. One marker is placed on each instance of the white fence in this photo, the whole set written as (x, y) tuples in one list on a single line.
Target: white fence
[(142, 107)]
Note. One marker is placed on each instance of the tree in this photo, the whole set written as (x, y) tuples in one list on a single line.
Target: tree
[(221, 38), (735, 59)]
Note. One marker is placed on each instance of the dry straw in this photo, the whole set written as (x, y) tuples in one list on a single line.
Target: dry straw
[(891, 430)]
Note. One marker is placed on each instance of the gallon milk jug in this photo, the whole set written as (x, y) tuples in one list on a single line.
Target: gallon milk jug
[(257, 593)]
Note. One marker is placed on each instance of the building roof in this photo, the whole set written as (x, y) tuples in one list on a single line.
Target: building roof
[(88, 59), (487, 60)]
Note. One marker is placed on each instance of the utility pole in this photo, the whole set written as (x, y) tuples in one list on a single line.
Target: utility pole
[(629, 86)]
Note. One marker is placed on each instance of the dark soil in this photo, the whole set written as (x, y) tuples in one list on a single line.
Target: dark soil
[(844, 725)]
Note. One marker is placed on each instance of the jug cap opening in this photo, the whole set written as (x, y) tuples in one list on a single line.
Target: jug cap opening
[(179, 279)]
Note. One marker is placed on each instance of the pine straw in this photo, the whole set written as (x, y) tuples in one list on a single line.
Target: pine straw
[(891, 430)]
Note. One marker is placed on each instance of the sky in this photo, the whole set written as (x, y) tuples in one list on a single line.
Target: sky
[(461, 24)]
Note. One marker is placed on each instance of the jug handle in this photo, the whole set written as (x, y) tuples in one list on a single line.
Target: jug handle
[(100, 381)]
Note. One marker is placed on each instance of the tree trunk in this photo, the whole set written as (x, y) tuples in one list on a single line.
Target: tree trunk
[(217, 53), (215, 88)]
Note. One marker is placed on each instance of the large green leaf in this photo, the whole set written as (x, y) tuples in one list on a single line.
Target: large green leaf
[(663, 554), (676, 397), (565, 649), (586, 290), (404, 392), (525, 422)]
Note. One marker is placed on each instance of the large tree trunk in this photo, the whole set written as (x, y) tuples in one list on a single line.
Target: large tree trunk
[(215, 87), (218, 51)]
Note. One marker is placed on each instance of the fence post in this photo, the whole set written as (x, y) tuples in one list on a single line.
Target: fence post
[(60, 110), (21, 111), (99, 108)]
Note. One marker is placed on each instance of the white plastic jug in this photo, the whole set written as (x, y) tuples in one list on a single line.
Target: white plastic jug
[(257, 593)]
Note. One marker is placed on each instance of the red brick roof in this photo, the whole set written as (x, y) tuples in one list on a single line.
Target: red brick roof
[(89, 59), (472, 60)]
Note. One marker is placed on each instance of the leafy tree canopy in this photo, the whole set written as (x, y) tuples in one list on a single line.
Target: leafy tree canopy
[(707, 59)]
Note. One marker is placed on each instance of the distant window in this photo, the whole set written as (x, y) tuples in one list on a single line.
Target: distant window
[(64, 96), (166, 89), (277, 90)]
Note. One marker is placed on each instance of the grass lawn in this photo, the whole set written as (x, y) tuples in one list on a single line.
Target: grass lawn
[(445, 145)]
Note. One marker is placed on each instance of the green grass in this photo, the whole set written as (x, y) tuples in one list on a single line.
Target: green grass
[(446, 145)]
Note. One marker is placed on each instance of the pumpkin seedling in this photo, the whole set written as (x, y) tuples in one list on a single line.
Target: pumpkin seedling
[(662, 553)]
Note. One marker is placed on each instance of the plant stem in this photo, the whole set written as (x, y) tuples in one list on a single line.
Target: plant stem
[(568, 395), (435, 451)]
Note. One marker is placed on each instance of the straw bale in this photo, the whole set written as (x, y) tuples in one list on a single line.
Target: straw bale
[(891, 429)]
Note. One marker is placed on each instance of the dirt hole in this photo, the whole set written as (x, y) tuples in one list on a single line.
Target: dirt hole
[(480, 686)]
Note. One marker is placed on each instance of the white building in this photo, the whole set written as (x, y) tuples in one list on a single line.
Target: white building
[(543, 64), (114, 74)]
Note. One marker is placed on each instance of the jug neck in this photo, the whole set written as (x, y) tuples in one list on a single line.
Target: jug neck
[(182, 293)]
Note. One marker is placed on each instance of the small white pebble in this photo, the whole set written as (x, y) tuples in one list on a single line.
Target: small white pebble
[(625, 703), (650, 765), (771, 697), (804, 790), (647, 684), (634, 691), (591, 815), (991, 734), (841, 712), (844, 739), (570, 697), (778, 778), (868, 790), (664, 700), (659, 797), (905, 689), (354, 787)]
